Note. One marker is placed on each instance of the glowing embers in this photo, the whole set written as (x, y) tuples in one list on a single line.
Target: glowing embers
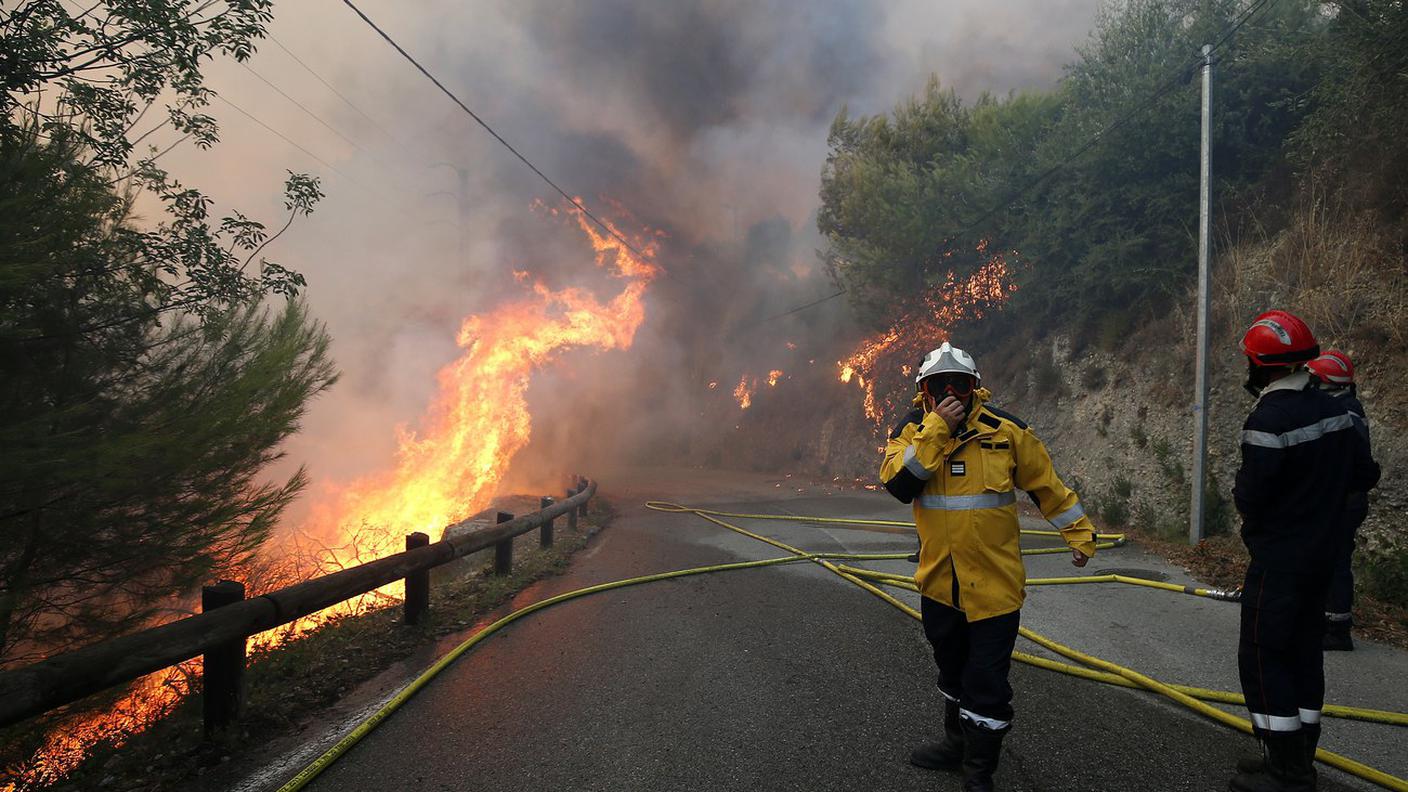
[(744, 392)]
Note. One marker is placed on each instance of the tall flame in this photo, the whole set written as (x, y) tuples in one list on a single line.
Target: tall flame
[(447, 470), (450, 468)]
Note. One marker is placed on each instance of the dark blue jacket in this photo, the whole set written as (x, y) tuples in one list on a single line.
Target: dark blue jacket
[(1358, 506), (1301, 457)]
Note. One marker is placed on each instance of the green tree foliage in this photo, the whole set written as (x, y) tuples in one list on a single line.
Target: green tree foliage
[(1359, 110), (1112, 229), (148, 372)]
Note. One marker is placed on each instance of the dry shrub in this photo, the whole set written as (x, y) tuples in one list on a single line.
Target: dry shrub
[(1342, 272)]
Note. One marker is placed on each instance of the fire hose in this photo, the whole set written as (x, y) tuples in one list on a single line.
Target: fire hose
[(1092, 668)]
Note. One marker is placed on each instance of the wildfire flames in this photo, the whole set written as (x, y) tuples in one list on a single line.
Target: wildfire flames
[(479, 420), (925, 325), (744, 392), (445, 471), (773, 377)]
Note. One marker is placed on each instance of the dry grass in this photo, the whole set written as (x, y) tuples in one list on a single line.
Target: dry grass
[(1339, 269)]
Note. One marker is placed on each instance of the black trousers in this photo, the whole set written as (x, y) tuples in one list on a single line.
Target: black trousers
[(974, 659), (1279, 653), (1340, 603)]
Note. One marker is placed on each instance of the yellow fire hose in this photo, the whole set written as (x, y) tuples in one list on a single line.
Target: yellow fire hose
[(1099, 670), (1103, 541)]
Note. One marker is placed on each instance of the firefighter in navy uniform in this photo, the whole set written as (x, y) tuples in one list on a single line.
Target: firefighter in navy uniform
[(1301, 457), (1335, 372), (960, 461)]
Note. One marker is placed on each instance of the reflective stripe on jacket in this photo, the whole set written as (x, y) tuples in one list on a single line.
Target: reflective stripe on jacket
[(964, 490), (1301, 457)]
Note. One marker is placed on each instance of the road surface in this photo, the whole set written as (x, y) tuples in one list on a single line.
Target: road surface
[(789, 678)]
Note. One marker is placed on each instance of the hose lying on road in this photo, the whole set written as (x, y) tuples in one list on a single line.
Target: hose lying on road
[(1204, 694), (1098, 670), (1103, 541)]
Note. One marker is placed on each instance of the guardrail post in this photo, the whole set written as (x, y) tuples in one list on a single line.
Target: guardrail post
[(503, 551), (571, 513), (545, 535), (223, 668), (417, 583)]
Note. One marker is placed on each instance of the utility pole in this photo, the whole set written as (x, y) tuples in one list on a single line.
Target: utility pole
[(1200, 407), (461, 201)]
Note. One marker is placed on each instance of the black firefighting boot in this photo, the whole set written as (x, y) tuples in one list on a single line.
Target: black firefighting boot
[(981, 748), (1286, 767), (1337, 638), (946, 754), (913, 557), (1310, 740)]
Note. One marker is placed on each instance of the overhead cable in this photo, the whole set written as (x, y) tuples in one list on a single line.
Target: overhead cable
[(567, 196), (332, 88), (302, 107), (284, 138)]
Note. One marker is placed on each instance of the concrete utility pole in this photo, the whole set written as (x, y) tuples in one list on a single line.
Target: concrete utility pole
[(1200, 407), (461, 196)]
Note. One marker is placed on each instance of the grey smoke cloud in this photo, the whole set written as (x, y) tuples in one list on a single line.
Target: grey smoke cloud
[(704, 118)]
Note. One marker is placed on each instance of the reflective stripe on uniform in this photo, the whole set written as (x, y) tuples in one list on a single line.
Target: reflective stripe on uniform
[(1305, 434), (992, 724), (911, 463), (1276, 723), (987, 500), (1068, 517), (1338, 617), (1310, 716)]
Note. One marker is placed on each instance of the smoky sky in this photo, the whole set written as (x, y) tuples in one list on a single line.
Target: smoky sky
[(704, 119), (699, 64)]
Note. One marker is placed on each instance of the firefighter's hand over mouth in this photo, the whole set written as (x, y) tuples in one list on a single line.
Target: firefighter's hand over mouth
[(951, 410)]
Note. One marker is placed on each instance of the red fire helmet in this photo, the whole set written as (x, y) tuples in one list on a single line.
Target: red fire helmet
[(1278, 338), (1333, 368)]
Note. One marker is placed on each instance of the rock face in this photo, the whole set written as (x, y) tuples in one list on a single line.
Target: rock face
[(1119, 425)]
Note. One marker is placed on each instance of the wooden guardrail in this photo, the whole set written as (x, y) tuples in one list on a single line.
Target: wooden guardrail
[(228, 620)]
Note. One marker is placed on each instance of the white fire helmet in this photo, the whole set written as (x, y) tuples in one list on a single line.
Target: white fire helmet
[(948, 359)]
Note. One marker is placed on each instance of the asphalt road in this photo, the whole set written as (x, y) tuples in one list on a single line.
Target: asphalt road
[(788, 678)]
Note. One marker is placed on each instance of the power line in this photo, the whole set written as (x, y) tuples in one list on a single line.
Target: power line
[(1162, 90), (584, 210), (791, 311), (332, 88), (302, 107), (378, 160), (284, 137)]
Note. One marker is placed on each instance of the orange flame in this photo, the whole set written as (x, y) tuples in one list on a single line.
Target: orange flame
[(744, 392), (150, 698), (925, 325), (445, 471), (773, 377)]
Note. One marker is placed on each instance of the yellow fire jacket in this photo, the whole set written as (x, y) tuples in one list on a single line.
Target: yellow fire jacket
[(963, 486)]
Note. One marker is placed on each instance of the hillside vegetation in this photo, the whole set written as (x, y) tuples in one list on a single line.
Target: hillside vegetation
[(1096, 345)]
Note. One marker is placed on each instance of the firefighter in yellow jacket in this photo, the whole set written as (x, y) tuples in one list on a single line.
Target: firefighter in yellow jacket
[(961, 461)]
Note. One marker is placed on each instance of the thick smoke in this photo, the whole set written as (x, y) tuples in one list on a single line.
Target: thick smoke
[(705, 119)]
